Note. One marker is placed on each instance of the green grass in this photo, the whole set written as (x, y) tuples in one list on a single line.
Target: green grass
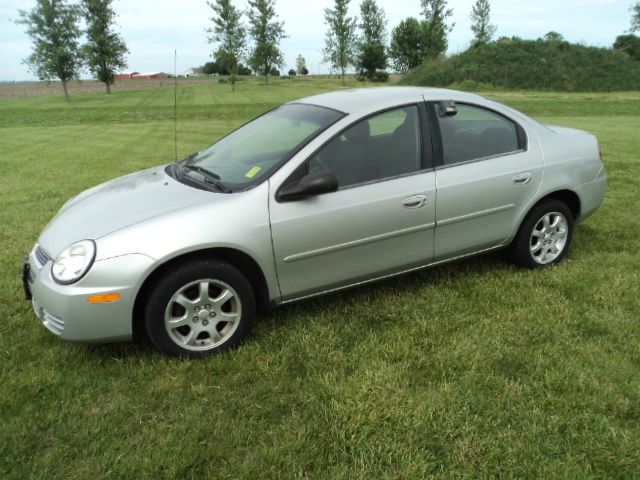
[(474, 369)]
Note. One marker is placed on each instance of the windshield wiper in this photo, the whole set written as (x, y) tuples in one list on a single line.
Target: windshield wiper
[(208, 176), (188, 158)]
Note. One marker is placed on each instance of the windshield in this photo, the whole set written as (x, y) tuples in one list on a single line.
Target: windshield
[(249, 154)]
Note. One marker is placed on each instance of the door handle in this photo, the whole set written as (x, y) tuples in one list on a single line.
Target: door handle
[(416, 201), (523, 178)]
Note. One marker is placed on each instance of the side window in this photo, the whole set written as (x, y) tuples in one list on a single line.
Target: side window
[(382, 146), (474, 133)]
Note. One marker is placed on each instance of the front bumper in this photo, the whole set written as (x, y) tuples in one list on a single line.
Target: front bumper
[(65, 310)]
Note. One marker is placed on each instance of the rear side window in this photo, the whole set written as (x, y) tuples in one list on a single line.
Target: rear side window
[(475, 133)]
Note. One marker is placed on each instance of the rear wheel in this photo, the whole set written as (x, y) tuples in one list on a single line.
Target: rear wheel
[(200, 308), (545, 235)]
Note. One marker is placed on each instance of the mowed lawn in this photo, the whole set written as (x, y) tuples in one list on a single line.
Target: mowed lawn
[(474, 369)]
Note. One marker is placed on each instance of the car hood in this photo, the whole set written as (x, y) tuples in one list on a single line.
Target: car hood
[(117, 204)]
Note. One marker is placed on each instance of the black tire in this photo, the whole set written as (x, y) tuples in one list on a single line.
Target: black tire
[(204, 315), (520, 249)]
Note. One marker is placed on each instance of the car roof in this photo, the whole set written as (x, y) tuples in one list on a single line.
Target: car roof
[(360, 101)]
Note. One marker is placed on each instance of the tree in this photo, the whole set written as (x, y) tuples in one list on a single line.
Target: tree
[(553, 37), (266, 33), (340, 41), (304, 72), (53, 27), (436, 28), (216, 67), (301, 64), (407, 44), (372, 53), (242, 70), (292, 72), (508, 40), (229, 34), (105, 50), (481, 25), (629, 44), (635, 18), (213, 68)]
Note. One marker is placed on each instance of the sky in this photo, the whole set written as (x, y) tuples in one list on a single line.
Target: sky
[(153, 29)]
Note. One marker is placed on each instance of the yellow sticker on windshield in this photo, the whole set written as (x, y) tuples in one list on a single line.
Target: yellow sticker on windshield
[(253, 172)]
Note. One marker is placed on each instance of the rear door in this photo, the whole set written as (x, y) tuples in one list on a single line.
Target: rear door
[(488, 172)]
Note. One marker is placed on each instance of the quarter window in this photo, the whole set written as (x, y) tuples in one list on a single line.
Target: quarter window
[(475, 133), (382, 146)]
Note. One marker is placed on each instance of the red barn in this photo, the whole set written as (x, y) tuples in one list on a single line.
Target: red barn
[(149, 75), (125, 76)]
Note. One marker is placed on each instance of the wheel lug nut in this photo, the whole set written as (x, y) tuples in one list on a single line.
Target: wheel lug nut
[(212, 314), (205, 322), (207, 306), (197, 309), (195, 319)]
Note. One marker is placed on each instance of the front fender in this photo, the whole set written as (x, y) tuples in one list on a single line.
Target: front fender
[(239, 222)]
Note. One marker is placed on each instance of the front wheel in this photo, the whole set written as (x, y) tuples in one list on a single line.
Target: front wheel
[(200, 308), (545, 235)]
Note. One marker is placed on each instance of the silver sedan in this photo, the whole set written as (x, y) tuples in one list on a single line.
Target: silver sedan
[(318, 195)]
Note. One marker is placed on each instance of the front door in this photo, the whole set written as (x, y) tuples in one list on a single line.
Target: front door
[(380, 221)]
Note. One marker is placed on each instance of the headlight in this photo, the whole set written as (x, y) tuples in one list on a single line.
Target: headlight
[(74, 262)]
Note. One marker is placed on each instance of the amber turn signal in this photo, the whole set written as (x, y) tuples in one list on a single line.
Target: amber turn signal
[(104, 298)]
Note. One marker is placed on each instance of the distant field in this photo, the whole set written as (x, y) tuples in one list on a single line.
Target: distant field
[(38, 89), (475, 369)]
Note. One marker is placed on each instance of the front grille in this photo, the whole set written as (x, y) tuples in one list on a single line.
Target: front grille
[(41, 256)]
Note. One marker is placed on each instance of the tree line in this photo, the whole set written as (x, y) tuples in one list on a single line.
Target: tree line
[(55, 28), (415, 41), (229, 35), (349, 41)]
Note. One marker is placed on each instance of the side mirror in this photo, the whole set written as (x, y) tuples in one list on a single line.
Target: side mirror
[(309, 186), (447, 109)]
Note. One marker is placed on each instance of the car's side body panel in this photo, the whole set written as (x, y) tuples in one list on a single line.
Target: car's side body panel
[(351, 235), (480, 206), (572, 163), (572, 160), (239, 222), (479, 203)]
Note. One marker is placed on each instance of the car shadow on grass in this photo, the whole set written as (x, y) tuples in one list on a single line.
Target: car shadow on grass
[(408, 285), (335, 304), (120, 350)]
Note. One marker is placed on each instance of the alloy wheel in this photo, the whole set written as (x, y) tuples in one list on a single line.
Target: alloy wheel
[(203, 314), (549, 237)]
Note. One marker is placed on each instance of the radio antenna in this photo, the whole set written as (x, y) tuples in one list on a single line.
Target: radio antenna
[(175, 103)]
